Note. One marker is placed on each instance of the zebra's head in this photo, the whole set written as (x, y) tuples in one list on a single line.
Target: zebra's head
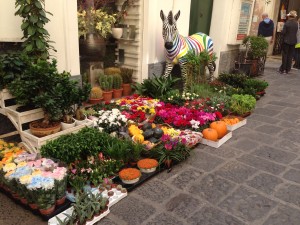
[(169, 30)]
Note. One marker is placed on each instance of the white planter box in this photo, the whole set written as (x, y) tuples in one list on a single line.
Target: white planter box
[(62, 216), (112, 200), (242, 122), (35, 143), (218, 143)]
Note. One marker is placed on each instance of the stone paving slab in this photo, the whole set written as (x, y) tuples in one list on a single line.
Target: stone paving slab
[(253, 179)]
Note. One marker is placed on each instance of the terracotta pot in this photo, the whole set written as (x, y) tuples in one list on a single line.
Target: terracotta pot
[(127, 89), (107, 96), (15, 195), (168, 163), (95, 100), (33, 206), (47, 211), (61, 201), (117, 93), (24, 201), (42, 132)]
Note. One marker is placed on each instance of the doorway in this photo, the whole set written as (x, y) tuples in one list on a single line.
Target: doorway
[(200, 16)]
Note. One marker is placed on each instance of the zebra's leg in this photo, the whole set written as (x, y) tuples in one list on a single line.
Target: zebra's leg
[(211, 68), (168, 69), (183, 67)]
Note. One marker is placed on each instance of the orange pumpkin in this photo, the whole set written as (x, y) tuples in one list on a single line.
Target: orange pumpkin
[(220, 127), (210, 134)]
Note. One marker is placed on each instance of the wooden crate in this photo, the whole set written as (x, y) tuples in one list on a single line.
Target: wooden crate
[(4, 95), (19, 118), (35, 143)]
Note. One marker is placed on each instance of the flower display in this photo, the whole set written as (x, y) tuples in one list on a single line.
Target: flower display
[(129, 174), (147, 163), (181, 117), (111, 120), (35, 180)]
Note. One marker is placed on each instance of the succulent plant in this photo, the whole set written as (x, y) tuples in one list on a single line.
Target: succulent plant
[(106, 82), (112, 71), (117, 81), (96, 92), (126, 74)]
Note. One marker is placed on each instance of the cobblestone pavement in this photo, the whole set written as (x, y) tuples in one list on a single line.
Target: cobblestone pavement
[(253, 179)]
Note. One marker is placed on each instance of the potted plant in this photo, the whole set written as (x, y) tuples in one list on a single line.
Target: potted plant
[(126, 74), (147, 165), (242, 105), (130, 175), (170, 150), (42, 85), (96, 95), (117, 86), (256, 50), (106, 83), (83, 95)]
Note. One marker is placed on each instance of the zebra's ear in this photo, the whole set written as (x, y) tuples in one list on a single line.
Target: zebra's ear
[(177, 15), (162, 15)]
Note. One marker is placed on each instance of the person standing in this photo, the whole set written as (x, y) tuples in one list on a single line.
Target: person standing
[(289, 32), (266, 28), (297, 49)]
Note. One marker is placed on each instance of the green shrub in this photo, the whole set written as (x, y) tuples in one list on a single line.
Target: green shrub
[(241, 104), (234, 80), (202, 90)]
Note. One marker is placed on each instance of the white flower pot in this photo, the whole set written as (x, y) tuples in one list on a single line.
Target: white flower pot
[(65, 126), (117, 32), (79, 122)]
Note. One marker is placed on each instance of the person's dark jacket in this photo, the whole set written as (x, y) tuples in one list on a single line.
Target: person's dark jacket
[(266, 29), (289, 32)]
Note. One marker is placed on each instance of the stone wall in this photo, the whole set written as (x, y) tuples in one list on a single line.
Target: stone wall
[(227, 59)]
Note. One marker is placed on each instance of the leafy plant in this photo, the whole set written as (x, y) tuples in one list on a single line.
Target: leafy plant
[(196, 66), (241, 104), (126, 74), (12, 66), (37, 43), (95, 21), (258, 85), (202, 90), (170, 149), (256, 47), (155, 87), (234, 80)]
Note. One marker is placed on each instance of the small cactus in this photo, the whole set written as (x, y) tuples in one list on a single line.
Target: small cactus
[(96, 92), (126, 74), (106, 82), (112, 71), (117, 81)]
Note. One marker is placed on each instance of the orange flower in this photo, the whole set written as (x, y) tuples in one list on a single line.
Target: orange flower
[(147, 163), (129, 174)]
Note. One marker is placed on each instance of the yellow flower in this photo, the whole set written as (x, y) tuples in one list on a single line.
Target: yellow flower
[(9, 167), (36, 172), (21, 164), (152, 111), (25, 179)]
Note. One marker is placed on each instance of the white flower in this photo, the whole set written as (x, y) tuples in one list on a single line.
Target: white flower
[(115, 111)]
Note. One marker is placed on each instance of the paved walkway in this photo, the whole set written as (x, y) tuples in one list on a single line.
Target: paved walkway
[(254, 178)]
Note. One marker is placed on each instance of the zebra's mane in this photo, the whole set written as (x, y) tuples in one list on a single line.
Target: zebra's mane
[(170, 18)]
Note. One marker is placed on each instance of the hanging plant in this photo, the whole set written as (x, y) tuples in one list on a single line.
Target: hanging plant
[(37, 39)]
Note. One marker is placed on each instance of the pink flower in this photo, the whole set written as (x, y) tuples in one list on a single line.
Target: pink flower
[(168, 146)]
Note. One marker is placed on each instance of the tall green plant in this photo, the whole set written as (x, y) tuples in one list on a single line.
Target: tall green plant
[(37, 39)]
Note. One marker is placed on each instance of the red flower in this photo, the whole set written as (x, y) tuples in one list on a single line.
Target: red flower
[(219, 115)]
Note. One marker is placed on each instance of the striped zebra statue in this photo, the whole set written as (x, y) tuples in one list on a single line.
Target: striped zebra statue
[(177, 46)]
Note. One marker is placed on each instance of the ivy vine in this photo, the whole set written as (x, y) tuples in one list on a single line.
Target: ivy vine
[(37, 39)]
